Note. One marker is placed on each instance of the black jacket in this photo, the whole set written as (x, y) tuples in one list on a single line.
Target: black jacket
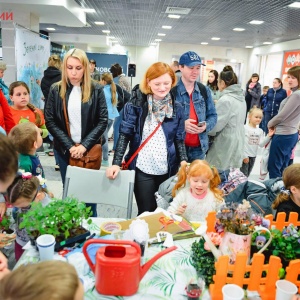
[(131, 130), (51, 75), (94, 118)]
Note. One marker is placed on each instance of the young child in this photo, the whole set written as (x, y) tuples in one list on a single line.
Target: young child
[(51, 280), (8, 170), (200, 195), (263, 102), (288, 200), (253, 135), (24, 190), (27, 139), (22, 110)]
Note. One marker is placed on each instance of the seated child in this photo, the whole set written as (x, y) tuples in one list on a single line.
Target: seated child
[(27, 139), (24, 190), (288, 200), (51, 280), (200, 195)]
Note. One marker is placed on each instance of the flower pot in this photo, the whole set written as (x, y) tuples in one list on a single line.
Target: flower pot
[(69, 242)]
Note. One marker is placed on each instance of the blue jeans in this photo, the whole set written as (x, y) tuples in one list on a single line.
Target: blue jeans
[(266, 119), (194, 153), (63, 161), (117, 123), (105, 145), (280, 153)]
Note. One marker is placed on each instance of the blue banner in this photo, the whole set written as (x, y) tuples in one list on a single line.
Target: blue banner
[(104, 61)]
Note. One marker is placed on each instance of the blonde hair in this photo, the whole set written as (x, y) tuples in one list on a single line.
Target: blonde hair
[(54, 61), (107, 77), (255, 109), (156, 70), (86, 79), (51, 280), (290, 177), (23, 137), (199, 168), (38, 119)]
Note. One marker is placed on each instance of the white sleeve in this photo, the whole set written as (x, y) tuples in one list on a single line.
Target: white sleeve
[(178, 200)]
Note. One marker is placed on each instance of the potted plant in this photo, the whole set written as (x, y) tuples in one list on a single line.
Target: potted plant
[(61, 218), (5, 223)]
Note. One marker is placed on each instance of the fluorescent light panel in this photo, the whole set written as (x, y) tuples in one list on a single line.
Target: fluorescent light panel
[(99, 23), (158, 40), (249, 47), (238, 29), (256, 22), (294, 5), (161, 34), (267, 43), (50, 28), (106, 31), (215, 38), (204, 43), (174, 16), (166, 27)]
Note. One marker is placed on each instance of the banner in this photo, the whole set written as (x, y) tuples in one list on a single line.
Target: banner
[(290, 59), (32, 53), (104, 61)]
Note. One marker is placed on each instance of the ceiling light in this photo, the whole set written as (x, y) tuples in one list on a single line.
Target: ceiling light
[(153, 44), (174, 16), (294, 5), (238, 29), (106, 31), (249, 47), (215, 38), (158, 40), (50, 28), (166, 27), (267, 43), (204, 43), (99, 23), (161, 34), (256, 22), (89, 10)]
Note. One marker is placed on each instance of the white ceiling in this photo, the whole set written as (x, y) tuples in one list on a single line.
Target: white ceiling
[(138, 22)]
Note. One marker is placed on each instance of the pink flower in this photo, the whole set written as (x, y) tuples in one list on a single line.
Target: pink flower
[(26, 175), (215, 238)]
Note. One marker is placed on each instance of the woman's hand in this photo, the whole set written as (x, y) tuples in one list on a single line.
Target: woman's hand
[(271, 131), (77, 151), (6, 240), (112, 171), (181, 209), (2, 209)]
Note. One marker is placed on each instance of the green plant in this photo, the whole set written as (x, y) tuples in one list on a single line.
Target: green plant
[(285, 243), (59, 217), (5, 223), (203, 261)]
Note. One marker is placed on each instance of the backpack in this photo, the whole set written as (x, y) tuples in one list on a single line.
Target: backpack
[(123, 97)]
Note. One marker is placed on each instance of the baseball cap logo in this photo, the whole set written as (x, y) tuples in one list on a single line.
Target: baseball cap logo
[(194, 56)]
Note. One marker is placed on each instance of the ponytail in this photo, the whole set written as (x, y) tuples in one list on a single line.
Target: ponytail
[(182, 175), (38, 119), (214, 183), (107, 77), (281, 197)]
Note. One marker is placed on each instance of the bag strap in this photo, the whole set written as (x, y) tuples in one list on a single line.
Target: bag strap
[(142, 145), (66, 117)]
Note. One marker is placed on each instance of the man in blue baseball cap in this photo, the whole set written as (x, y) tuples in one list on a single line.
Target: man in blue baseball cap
[(199, 108)]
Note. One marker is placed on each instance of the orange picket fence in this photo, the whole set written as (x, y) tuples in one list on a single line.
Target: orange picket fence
[(228, 273), (293, 272), (281, 222)]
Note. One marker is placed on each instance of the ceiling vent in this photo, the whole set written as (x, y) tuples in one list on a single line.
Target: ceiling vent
[(178, 10)]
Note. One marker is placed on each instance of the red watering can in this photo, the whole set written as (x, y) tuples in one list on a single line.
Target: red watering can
[(117, 269)]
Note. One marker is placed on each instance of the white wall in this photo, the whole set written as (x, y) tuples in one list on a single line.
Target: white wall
[(240, 55)]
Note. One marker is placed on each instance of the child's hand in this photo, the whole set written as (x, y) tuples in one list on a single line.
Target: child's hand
[(181, 209), (271, 131), (246, 160)]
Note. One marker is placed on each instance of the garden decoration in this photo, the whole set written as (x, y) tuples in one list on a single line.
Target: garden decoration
[(61, 218), (238, 222)]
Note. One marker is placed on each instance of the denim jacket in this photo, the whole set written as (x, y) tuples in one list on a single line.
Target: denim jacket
[(205, 111)]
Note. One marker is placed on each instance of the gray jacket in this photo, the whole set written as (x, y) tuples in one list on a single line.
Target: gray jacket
[(227, 149)]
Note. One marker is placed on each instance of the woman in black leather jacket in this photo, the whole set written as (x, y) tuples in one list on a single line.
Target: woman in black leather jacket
[(86, 109), (151, 104)]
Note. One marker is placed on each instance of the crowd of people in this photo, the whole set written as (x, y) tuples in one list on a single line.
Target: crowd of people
[(168, 125)]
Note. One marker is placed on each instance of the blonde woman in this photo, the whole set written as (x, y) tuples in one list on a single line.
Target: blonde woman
[(86, 108), (111, 97)]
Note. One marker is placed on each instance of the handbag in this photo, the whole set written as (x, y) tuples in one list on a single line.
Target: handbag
[(125, 165), (92, 158)]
